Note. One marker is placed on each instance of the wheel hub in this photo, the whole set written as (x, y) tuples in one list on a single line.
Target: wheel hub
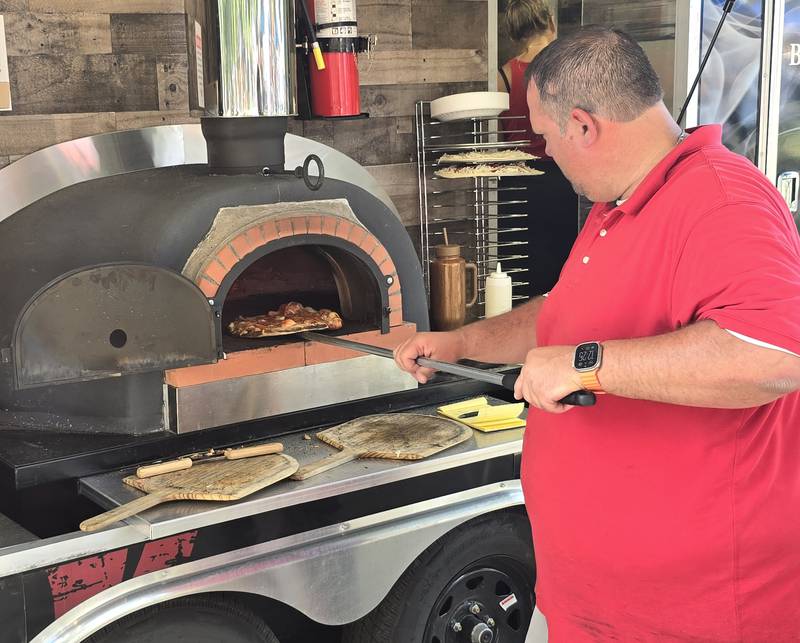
[(472, 624), (488, 602)]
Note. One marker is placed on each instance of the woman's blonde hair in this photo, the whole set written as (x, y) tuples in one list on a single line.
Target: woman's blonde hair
[(524, 19)]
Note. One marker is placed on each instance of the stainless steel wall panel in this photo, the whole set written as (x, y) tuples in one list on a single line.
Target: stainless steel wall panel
[(246, 398)]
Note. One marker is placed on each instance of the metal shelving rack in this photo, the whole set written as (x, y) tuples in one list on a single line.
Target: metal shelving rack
[(484, 238)]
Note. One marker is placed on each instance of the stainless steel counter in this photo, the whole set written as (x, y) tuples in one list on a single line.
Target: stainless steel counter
[(109, 491)]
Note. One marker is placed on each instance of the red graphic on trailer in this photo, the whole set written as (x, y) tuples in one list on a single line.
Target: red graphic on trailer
[(166, 552), (72, 583)]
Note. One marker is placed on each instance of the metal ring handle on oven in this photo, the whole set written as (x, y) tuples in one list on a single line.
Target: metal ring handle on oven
[(313, 185)]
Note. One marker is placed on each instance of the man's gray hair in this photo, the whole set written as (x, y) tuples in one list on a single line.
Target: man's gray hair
[(600, 70)]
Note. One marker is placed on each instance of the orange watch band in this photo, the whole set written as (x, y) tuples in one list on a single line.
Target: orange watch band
[(589, 381)]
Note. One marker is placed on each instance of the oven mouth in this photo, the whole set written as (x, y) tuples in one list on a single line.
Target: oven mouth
[(315, 275)]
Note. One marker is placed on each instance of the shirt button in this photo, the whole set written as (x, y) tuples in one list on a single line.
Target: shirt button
[(586, 260), (603, 232)]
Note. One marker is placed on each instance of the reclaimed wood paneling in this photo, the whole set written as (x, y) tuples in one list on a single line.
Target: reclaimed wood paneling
[(399, 100), (29, 34), (173, 82), (26, 134), (389, 20), (370, 141), (400, 182), (92, 66), (59, 84), (422, 66), (136, 120), (105, 6), (449, 24), (157, 34)]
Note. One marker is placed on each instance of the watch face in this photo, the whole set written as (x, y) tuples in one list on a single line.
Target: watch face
[(586, 356)]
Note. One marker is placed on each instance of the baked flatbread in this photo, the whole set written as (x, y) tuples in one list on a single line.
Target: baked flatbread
[(487, 156), (486, 169), (288, 319)]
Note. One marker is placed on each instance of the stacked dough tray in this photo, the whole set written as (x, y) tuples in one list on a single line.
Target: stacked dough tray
[(459, 162)]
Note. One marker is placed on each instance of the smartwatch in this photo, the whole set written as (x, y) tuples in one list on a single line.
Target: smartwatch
[(587, 361)]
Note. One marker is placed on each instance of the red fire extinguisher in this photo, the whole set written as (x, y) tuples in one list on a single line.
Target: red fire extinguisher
[(334, 84)]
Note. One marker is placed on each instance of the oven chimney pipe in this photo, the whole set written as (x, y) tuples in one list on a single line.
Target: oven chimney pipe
[(249, 81)]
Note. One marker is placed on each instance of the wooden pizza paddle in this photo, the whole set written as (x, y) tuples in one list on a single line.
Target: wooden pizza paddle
[(220, 480), (396, 436)]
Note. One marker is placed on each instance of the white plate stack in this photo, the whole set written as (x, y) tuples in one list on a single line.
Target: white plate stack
[(469, 105)]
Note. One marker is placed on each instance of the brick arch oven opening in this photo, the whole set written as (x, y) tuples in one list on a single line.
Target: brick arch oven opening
[(323, 275)]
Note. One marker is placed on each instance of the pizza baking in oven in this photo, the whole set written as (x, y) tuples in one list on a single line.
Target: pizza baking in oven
[(289, 318)]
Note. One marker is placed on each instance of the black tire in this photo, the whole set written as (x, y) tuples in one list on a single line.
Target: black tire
[(191, 619), (494, 554)]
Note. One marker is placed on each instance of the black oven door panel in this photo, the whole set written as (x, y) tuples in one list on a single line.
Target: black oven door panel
[(111, 320)]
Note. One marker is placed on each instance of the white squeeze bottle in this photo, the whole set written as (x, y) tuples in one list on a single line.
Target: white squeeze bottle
[(498, 292)]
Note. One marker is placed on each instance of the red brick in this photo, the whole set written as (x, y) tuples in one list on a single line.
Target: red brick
[(321, 353), (215, 272), (329, 225), (242, 245), (396, 301), (344, 230), (387, 268), (379, 254), (299, 225), (369, 244), (254, 236), (315, 224), (209, 289), (284, 228), (227, 258), (358, 235), (240, 364), (269, 231)]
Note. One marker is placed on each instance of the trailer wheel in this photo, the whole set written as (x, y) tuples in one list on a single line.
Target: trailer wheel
[(453, 592), (191, 619)]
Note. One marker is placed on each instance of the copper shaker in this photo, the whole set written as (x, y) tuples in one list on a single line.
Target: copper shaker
[(449, 303)]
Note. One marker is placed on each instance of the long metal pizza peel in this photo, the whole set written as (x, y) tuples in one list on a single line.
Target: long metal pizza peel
[(506, 380)]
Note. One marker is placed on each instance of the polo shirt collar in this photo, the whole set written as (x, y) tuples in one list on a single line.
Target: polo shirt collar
[(698, 138)]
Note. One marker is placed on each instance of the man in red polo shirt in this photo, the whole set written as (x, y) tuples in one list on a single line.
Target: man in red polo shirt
[(670, 511)]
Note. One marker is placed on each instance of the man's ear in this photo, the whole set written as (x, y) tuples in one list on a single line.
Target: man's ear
[(584, 125)]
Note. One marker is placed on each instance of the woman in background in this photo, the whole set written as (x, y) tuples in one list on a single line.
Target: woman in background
[(530, 26), (551, 204)]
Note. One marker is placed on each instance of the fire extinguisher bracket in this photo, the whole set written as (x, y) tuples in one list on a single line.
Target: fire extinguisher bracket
[(357, 45)]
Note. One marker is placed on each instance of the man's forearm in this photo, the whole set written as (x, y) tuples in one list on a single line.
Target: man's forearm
[(504, 339), (700, 365)]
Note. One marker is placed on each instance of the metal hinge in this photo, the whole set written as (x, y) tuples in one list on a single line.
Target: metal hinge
[(5, 355), (788, 187)]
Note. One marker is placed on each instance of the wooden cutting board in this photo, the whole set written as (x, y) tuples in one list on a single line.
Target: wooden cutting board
[(396, 436), (219, 480)]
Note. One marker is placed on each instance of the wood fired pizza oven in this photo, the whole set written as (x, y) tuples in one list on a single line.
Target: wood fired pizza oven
[(118, 289)]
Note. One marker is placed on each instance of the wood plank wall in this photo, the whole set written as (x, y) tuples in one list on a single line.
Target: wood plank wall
[(82, 67)]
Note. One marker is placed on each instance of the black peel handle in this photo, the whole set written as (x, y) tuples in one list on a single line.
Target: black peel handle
[(578, 398)]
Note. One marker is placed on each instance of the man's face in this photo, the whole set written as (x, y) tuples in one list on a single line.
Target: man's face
[(561, 146)]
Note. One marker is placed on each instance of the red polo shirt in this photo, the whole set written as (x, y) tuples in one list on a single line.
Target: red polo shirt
[(656, 522)]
